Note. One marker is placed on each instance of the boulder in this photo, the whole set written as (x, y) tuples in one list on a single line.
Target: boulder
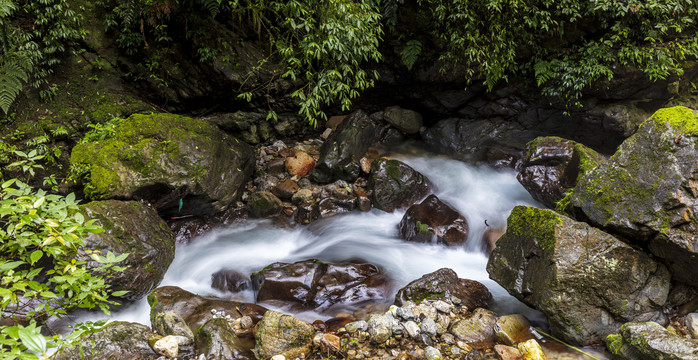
[(117, 340), (229, 280), (407, 121), (648, 190), (282, 334), (433, 221), (395, 185), (444, 284), (512, 329), (336, 205), (342, 151), (585, 281), (263, 203), (301, 164), (163, 158), (133, 228), (195, 309), (170, 323), (217, 340), (313, 284), (552, 166), (477, 331), (649, 340)]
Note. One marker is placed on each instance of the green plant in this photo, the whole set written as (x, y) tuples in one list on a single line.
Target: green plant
[(101, 131)]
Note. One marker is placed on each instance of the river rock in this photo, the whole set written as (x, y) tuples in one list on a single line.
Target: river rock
[(300, 164), (380, 327), (163, 158), (649, 340), (195, 309), (263, 203), (395, 185), (307, 212), (585, 281), (531, 350), (133, 228), (285, 189), (282, 334), (444, 284), (433, 221), (117, 340), (342, 151), (229, 280), (552, 165), (692, 324), (170, 323), (477, 331), (216, 339), (507, 352), (167, 346), (336, 205), (512, 329), (490, 238), (407, 121), (313, 284), (648, 190)]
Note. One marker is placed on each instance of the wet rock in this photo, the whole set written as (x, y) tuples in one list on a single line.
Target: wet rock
[(692, 324), (216, 339), (301, 164), (133, 228), (507, 352), (433, 221), (585, 281), (407, 121), (165, 157), (342, 151), (276, 167), (195, 309), (552, 165), (330, 344), (650, 340), (263, 203), (318, 285), (477, 331), (490, 238), (229, 280), (167, 346), (428, 326), (117, 340), (355, 326), (170, 323), (307, 213), (380, 328), (531, 350), (432, 353), (285, 189), (628, 195), (395, 185), (443, 284), (336, 205), (282, 334), (302, 196), (512, 329)]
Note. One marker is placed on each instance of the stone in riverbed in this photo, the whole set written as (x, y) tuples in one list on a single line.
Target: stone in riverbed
[(585, 281), (650, 340), (170, 323), (443, 284), (433, 221), (531, 350), (648, 191), (167, 346), (395, 185), (407, 121), (507, 352), (512, 329), (477, 331), (217, 340), (229, 280), (285, 189), (117, 340), (282, 334), (301, 164), (263, 203)]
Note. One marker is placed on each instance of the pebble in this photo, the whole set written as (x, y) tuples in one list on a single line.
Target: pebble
[(442, 306), (412, 329), (278, 357), (431, 353), (428, 326), (167, 346), (355, 326)]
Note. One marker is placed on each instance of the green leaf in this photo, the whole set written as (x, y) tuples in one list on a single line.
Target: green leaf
[(7, 266), (31, 338), (35, 256)]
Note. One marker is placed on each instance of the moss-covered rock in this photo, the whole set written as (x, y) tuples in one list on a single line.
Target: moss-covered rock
[(552, 166), (217, 340), (396, 185), (116, 341), (133, 228), (263, 203), (282, 334), (585, 281), (649, 340), (444, 284), (163, 158), (433, 221), (648, 190)]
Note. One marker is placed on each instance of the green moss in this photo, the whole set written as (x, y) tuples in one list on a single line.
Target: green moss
[(526, 221), (423, 229), (614, 343), (679, 118), (392, 169)]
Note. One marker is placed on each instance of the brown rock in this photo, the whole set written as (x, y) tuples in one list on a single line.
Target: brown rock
[(478, 330), (301, 164), (444, 283), (512, 329), (285, 189), (507, 352), (334, 121), (330, 344), (489, 239), (433, 221), (229, 280)]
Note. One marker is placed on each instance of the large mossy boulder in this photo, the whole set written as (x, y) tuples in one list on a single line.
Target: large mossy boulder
[(279, 334), (342, 151), (133, 228), (649, 340), (648, 190), (395, 184), (163, 158), (115, 341), (587, 282), (551, 166)]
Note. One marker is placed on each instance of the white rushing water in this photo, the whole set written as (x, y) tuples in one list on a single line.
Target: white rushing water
[(479, 193)]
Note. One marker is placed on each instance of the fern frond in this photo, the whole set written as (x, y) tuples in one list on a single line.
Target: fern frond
[(212, 6), (14, 71), (543, 71), (6, 8), (411, 52)]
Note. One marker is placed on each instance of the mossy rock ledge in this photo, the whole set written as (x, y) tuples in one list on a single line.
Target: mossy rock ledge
[(587, 282), (133, 228), (648, 191), (163, 158), (649, 340)]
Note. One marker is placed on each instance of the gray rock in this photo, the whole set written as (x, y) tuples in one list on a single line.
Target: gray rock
[(407, 121), (167, 346), (380, 328), (585, 281), (412, 329), (476, 331), (355, 326), (442, 306), (263, 203), (282, 334), (117, 340), (170, 323), (395, 185), (444, 284), (650, 340), (692, 324), (655, 209), (134, 228), (406, 311), (216, 339), (428, 326), (431, 353)]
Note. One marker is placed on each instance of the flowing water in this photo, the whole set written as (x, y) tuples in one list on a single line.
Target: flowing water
[(478, 192)]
